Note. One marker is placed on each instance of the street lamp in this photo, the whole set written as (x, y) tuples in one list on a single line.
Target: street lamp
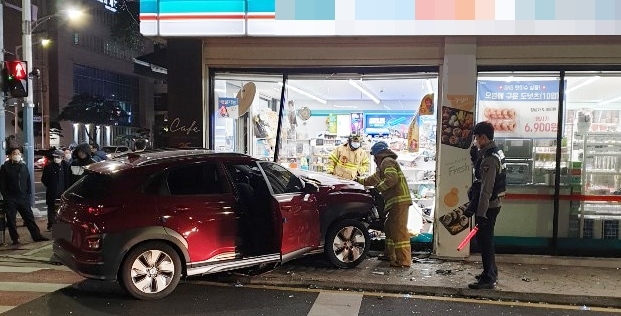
[(27, 28), (45, 42)]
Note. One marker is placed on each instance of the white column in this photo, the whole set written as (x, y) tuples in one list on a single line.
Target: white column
[(454, 169)]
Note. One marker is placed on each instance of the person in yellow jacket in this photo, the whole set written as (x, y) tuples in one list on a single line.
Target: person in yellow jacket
[(347, 161), (391, 183)]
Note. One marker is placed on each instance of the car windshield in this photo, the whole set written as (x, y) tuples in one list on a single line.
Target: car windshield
[(281, 179), (92, 187)]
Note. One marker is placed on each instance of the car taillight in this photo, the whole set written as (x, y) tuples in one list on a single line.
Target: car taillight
[(101, 209), (90, 228), (93, 243)]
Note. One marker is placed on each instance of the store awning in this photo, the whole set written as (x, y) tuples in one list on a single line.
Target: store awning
[(152, 65)]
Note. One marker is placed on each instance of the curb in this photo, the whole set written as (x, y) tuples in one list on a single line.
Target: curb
[(593, 301)]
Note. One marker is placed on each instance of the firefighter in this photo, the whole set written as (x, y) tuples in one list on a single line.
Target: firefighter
[(348, 161), (391, 183)]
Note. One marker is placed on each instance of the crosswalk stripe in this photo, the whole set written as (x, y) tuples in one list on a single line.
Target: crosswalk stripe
[(6, 308), (31, 287), (18, 269), (341, 304)]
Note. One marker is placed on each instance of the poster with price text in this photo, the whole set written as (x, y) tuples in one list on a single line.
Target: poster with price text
[(526, 109)]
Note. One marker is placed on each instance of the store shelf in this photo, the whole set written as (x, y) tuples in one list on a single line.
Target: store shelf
[(603, 171)]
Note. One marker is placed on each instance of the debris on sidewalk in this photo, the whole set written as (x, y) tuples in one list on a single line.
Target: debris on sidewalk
[(444, 271), (378, 272)]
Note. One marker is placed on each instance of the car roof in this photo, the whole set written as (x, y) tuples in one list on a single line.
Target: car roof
[(137, 159)]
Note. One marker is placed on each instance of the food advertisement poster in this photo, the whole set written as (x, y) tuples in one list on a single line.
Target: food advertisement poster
[(526, 109), (457, 117), (425, 108)]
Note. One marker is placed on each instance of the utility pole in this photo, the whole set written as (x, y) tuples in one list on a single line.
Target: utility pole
[(2, 115), (28, 100)]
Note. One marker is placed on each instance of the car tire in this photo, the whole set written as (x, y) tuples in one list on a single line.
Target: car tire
[(151, 271), (347, 243)]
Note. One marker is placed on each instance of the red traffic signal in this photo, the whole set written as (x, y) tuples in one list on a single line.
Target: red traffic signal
[(17, 69), (15, 78)]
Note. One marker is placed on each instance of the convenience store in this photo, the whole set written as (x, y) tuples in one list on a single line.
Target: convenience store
[(563, 146)]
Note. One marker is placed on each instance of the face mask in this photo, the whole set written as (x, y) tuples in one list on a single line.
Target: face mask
[(67, 156), (355, 145), (16, 158), (58, 160)]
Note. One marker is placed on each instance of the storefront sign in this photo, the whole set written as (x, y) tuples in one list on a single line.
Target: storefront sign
[(176, 127), (365, 17), (522, 109)]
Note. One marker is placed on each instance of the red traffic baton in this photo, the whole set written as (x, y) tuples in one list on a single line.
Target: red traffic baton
[(467, 239)]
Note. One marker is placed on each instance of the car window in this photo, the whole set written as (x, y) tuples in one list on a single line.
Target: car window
[(91, 187), (196, 179), (281, 179)]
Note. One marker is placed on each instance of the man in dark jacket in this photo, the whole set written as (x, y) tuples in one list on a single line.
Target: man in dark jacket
[(491, 171), (81, 157), (15, 189), (96, 153), (57, 178)]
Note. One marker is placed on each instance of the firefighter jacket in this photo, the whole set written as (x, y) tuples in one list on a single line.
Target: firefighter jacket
[(389, 180), (347, 163), (491, 171)]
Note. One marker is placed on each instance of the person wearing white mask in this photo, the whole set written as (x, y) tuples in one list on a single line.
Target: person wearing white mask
[(15, 189), (56, 178), (347, 161)]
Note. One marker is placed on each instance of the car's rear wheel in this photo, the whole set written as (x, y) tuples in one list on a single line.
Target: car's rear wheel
[(151, 271), (347, 243)]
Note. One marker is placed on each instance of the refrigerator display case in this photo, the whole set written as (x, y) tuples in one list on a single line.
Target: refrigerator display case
[(599, 212)]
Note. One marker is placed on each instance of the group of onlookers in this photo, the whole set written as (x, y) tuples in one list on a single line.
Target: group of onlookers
[(65, 166)]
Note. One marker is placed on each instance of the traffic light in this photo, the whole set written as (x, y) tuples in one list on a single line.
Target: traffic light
[(15, 78)]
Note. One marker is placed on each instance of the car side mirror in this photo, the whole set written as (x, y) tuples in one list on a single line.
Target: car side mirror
[(310, 188)]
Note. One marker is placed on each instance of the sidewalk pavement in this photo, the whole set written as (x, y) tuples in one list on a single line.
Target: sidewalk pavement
[(546, 279)]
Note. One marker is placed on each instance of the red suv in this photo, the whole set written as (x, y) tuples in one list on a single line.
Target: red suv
[(150, 218)]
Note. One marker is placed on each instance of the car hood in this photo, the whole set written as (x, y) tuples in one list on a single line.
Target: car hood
[(328, 183)]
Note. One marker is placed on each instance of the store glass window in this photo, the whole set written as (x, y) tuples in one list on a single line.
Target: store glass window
[(246, 112), (593, 139), (320, 113), (523, 107)]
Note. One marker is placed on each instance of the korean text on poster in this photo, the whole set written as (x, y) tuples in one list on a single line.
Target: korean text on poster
[(227, 107), (526, 109)]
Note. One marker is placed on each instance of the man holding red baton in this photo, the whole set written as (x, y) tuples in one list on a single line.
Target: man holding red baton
[(488, 189)]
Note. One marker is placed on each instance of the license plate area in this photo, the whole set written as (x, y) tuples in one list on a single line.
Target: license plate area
[(62, 231)]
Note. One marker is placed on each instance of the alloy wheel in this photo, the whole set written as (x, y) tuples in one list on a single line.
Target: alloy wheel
[(152, 271)]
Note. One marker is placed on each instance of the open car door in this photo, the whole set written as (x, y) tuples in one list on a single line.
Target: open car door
[(296, 213)]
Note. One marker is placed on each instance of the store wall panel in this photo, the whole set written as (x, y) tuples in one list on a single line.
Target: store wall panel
[(344, 51), (548, 50)]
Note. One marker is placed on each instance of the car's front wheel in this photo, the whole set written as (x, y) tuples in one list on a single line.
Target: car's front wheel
[(347, 243), (151, 271)]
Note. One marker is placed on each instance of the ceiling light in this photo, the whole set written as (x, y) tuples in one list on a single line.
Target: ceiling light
[(582, 84), (364, 90), (429, 86), (306, 93)]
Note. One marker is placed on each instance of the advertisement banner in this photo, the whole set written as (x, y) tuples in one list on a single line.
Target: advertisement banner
[(520, 109), (455, 174), (228, 107)]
